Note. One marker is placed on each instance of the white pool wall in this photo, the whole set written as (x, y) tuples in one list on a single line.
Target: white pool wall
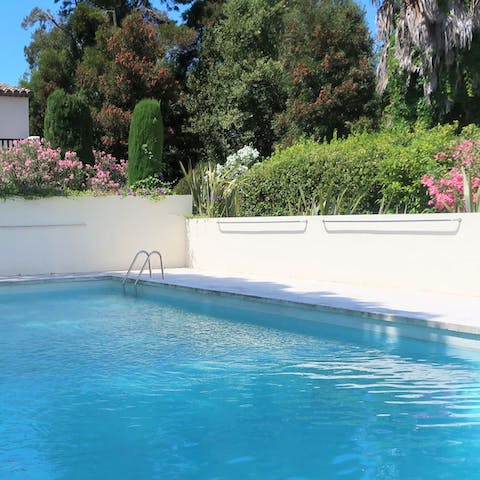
[(90, 234), (431, 252)]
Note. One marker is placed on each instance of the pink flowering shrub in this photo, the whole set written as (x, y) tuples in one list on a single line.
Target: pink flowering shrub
[(457, 191), (107, 174), (32, 167)]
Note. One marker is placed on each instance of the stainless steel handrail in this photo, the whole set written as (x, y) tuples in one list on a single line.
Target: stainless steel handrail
[(382, 225), (298, 225), (392, 220), (147, 261), (156, 252), (46, 225), (255, 222), (133, 262)]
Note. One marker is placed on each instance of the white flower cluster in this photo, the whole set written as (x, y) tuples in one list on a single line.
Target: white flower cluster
[(237, 163)]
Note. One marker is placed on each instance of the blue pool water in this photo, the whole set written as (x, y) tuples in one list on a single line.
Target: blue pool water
[(95, 384)]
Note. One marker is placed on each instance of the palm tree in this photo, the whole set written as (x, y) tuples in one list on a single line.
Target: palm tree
[(428, 38)]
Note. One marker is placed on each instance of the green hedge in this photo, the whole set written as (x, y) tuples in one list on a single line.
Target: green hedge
[(365, 173), (145, 142), (68, 124), (308, 174)]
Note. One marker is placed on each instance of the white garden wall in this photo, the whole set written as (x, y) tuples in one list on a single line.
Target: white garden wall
[(13, 117), (439, 252), (89, 234)]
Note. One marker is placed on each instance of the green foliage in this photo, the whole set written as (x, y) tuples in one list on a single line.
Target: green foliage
[(145, 141), (68, 124), (235, 89), (407, 156), (403, 97), (338, 173), (183, 186), (328, 71), (377, 172), (270, 71), (113, 65), (433, 76), (212, 195), (325, 204), (153, 183)]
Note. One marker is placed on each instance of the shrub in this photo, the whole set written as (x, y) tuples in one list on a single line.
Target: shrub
[(364, 173), (407, 156), (145, 141), (68, 125), (309, 171), (107, 173), (214, 188), (33, 168), (457, 190)]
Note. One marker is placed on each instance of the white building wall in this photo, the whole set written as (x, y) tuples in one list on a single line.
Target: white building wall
[(439, 252), (90, 234), (14, 117)]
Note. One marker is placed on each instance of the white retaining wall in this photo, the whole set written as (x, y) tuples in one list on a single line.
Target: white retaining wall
[(439, 252), (89, 234)]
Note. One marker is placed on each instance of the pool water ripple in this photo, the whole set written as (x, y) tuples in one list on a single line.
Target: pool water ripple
[(95, 384)]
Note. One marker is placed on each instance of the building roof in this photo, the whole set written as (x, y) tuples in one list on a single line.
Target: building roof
[(8, 91)]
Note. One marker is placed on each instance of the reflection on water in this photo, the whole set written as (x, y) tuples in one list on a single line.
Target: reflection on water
[(97, 385)]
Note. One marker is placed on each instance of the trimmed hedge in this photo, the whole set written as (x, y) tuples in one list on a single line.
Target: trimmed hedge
[(68, 125), (370, 172), (145, 142), (314, 172)]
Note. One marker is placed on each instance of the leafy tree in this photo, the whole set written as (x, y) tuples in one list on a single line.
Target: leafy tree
[(68, 124), (329, 74), (200, 15), (81, 50), (429, 68), (271, 70), (145, 142), (57, 46), (235, 89), (135, 61), (119, 8)]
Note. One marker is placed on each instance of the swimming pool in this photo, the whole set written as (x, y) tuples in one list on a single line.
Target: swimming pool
[(95, 384)]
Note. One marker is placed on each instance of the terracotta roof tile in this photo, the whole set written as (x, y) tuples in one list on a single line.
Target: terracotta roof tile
[(8, 91)]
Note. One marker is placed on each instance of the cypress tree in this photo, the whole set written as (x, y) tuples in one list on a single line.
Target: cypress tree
[(145, 141), (68, 124)]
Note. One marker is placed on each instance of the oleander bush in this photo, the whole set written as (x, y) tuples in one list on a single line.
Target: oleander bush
[(33, 168), (107, 173), (456, 190)]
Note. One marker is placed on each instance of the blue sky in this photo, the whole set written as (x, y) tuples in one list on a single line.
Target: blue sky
[(13, 38)]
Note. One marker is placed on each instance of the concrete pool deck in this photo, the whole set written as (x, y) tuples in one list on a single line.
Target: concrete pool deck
[(453, 313)]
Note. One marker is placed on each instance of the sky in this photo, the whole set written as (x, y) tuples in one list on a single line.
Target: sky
[(13, 38)]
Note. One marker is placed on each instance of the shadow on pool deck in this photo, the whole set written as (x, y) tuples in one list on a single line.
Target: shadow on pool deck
[(444, 314), (449, 312)]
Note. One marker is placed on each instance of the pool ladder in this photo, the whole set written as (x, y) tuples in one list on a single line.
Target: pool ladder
[(147, 261)]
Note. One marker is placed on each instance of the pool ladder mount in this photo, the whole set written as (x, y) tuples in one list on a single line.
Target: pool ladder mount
[(147, 261)]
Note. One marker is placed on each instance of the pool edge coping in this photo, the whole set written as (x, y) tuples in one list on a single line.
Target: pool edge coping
[(391, 319)]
